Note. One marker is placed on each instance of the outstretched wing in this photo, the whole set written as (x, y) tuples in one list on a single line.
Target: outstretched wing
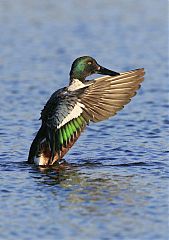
[(107, 95)]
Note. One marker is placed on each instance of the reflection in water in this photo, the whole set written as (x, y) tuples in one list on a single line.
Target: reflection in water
[(88, 188)]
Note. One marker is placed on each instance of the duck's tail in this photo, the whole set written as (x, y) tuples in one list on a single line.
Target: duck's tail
[(34, 149)]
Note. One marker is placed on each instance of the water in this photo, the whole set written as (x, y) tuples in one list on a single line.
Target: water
[(116, 183)]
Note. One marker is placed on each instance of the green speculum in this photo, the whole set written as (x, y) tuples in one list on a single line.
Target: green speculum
[(68, 130)]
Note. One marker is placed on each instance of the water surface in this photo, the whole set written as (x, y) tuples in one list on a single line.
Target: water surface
[(116, 183)]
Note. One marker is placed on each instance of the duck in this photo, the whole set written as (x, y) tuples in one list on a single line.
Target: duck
[(70, 109)]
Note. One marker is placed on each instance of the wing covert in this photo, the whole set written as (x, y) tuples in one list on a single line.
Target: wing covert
[(62, 107)]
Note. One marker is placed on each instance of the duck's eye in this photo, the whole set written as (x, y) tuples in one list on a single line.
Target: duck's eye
[(89, 63)]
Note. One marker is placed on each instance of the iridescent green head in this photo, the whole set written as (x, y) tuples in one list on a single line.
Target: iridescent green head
[(85, 66)]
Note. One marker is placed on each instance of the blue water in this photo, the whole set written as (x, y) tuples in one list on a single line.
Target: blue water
[(116, 183)]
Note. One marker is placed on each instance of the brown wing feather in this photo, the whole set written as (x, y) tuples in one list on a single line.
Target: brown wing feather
[(46, 153), (107, 94)]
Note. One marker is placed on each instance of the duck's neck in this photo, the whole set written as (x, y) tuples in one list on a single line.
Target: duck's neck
[(75, 84), (73, 79)]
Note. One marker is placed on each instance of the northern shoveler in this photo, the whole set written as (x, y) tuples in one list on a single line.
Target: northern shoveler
[(71, 108)]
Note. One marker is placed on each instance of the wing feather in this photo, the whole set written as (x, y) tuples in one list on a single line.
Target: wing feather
[(107, 94)]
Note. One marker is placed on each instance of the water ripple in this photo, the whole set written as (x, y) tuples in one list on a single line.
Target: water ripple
[(114, 182)]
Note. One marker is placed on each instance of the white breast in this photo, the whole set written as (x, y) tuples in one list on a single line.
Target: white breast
[(76, 84)]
